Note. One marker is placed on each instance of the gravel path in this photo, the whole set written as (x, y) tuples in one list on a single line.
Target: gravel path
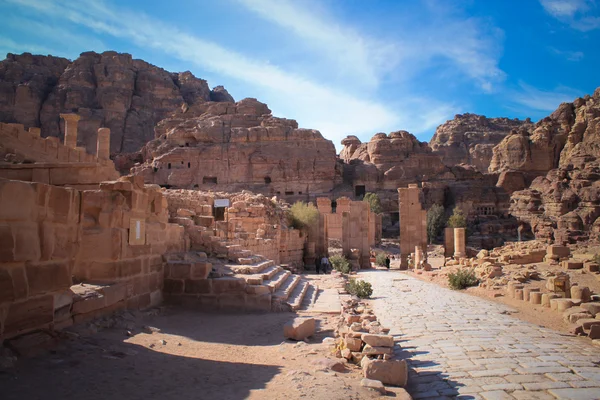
[(464, 347)]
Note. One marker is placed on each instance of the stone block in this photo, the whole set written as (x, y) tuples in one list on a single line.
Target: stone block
[(179, 270), (47, 277), (299, 328), (174, 286), (198, 286), (527, 292), (114, 293), (373, 385), (519, 294), (354, 344), (258, 302), (588, 323), (17, 201), (581, 293), (376, 350), (201, 270), (389, 372), (535, 297), (29, 314), (233, 301), (26, 242), (594, 332), (88, 304), (570, 264), (560, 304), (7, 244), (228, 284), (592, 308), (556, 251), (592, 266), (378, 340)]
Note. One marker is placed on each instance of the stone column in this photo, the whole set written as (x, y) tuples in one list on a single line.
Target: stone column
[(418, 256), (70, 129), (448, 242), (103, 144), (459, 242)]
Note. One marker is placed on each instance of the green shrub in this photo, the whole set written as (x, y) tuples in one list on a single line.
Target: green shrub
[(340, 263), (596, 259), (380, 259), (457, 219), (374, 202), (462, 279), (435, 222), (361, 289), (303, 215)]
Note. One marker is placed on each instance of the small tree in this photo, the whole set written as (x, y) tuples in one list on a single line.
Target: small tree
[(339, 263), (303, 215), (380, 258), (435, 222), (457, 219), (374, 202)]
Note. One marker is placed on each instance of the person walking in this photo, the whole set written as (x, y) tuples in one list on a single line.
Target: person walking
[(387, 262), (318, 265), (324, 263)]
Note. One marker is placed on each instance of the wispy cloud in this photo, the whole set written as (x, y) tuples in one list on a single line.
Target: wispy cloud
[(581, 15), (353, 53), (569, 55), (542, 100)]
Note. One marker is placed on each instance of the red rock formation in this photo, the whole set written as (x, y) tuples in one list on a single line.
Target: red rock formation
[(470, 138), (234, 146), (108, 90), (563, 205)]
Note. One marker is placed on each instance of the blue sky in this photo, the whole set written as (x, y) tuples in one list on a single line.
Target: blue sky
[(351, 67)]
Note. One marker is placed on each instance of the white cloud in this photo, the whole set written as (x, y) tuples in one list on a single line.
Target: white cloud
[(569, 55), (541, 100), (581, 15), (354, 54)]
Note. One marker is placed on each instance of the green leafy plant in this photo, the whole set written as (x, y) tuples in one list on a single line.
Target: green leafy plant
[(462, 279), (380, 259), (596, 259), (374, 202), (358, 288), (340, 263), (457, 219), (436, 220), (303, 215)]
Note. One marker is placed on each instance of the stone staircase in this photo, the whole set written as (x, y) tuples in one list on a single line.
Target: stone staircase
[(288, 290)]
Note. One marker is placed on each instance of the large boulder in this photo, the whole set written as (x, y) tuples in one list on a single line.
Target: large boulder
[(389, 372), (299, 328)]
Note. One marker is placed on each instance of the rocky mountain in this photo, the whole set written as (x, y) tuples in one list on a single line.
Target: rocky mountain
[(235, 146), (470, 138), (563, 151), (108, 90)]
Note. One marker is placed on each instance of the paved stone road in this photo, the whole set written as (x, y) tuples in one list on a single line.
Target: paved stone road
[(465, 347)]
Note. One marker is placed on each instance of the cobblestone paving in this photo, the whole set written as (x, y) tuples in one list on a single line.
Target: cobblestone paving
[(465, 347)]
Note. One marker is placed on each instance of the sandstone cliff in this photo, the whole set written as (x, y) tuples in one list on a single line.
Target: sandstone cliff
[(562, 204), (234, 146), (108, 90), (470, 138)]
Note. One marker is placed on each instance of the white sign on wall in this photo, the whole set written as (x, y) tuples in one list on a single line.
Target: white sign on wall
[(221, 203)]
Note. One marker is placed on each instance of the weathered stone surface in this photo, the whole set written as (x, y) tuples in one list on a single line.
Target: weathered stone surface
[(373, 385), (470, 138), (299, 328), (354, 344), (239, 146), (329, 363), (560, 152), (390, 372), (378, 340)]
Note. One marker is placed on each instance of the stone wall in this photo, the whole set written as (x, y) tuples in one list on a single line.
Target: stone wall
[(26, 156), (68, 255)]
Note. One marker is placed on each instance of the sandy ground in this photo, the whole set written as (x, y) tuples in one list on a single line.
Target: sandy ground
[(182, 354)]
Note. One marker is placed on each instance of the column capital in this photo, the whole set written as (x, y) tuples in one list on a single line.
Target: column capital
[(70, 117)]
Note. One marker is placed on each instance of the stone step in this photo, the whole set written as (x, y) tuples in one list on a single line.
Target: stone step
[(287, 287), (310, 297), (297, 295), (254, 279), (250, 269), (275, 282), (269, 272)]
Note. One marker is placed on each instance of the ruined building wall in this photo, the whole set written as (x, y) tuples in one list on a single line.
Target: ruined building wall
[(51, 238)]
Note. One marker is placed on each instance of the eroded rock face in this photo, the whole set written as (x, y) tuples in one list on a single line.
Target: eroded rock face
[(470, 138), (234, 146), (25, 81), (564, 204), (110, 90)]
